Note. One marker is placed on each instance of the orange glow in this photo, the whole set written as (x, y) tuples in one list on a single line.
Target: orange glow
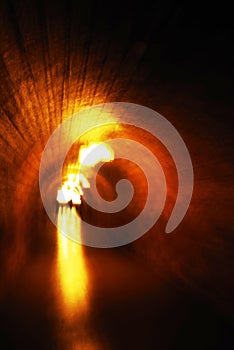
[(71, 269)]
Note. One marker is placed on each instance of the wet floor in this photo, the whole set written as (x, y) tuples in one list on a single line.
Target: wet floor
[(67, 296), (162, 291)]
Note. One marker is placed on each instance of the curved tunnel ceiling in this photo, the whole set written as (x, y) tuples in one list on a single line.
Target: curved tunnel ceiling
[(57, 58)]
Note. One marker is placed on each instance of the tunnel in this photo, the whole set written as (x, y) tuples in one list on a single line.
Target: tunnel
[(61, 60)]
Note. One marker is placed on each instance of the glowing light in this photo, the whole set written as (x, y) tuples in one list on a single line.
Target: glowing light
[(95, 153), (83, 181), (71, 179), (62, 197), (71, 267), (70, 261), (71, 190)]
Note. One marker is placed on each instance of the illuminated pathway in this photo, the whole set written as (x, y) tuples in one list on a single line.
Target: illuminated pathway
[(162, 291), (72, 272)]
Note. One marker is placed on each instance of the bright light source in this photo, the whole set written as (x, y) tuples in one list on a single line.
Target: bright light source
[(71, 190), (83, 181), (61, 197), (92, 155), (75, 197)]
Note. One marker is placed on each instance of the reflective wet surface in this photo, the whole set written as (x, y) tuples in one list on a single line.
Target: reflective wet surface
[(66, 296), (162, 291), (58, 294)]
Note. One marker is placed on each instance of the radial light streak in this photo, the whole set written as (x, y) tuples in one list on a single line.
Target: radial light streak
[(71, 269)]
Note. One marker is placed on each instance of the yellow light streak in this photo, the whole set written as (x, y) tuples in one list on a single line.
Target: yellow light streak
[(71, 269)]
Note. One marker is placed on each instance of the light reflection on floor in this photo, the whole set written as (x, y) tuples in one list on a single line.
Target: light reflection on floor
[(71, 269)]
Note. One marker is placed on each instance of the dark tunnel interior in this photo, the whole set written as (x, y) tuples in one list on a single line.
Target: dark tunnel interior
[(162, 291)]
